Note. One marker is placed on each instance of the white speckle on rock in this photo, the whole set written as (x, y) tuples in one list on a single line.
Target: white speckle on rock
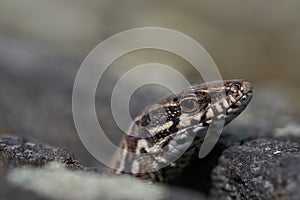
[(267, 184), (276, 152), (30, 144)]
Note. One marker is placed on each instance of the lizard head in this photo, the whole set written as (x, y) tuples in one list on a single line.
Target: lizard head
[(196, 106), (215, 100)]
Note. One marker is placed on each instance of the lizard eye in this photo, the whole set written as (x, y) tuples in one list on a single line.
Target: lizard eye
[(189, 105), (235, 87)]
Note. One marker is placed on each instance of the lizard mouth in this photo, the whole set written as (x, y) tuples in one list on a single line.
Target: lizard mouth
[(245, 99), (235, 109), (232, 112)]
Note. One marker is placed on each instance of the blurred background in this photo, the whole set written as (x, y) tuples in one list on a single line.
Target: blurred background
[(43, 43)]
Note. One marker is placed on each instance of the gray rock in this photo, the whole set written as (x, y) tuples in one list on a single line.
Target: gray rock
[(258, 169), (18, 151)]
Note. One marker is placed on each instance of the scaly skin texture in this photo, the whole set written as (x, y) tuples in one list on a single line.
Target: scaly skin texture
[(178, 122)]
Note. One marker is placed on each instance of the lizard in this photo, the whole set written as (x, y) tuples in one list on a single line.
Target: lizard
[(171, 122)]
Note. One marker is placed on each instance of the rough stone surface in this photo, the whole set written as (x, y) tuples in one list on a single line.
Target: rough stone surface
[(258, 169), (20, 151), (17, 151)]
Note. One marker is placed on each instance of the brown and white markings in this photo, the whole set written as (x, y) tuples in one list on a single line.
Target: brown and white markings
[(172, 123)]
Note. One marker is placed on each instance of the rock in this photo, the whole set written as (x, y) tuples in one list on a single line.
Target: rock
[(39, 171), (18, 151), (258, 169)]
